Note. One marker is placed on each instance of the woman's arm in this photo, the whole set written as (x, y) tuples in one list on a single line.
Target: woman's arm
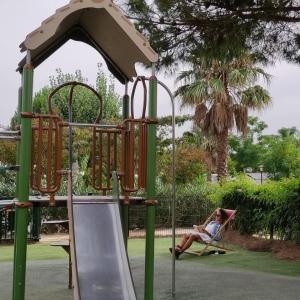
[(205, 231)]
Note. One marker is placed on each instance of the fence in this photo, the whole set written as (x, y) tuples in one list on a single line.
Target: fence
[(189, 211), (7, 225)]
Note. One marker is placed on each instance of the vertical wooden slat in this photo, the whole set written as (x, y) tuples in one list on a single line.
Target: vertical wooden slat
[(49, 158)]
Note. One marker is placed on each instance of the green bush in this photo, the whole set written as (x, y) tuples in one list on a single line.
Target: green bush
[(191, 207), (7, 184), (273, 207)]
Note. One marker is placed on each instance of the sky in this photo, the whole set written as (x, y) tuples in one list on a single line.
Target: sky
[(19, 18)]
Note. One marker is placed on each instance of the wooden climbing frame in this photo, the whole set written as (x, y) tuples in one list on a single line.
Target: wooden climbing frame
[(134, 145), (46, 154)]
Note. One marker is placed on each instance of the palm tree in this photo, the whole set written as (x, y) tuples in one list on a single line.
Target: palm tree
[(222, 93)]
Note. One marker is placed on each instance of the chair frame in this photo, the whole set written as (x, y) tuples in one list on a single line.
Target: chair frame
[(231, 215)]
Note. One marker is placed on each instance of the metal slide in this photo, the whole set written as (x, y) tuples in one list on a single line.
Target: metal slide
[(101, 264)]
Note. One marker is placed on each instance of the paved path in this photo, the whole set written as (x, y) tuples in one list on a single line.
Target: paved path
[(47, 280)]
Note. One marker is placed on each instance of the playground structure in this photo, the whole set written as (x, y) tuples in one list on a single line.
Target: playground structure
[(101, 25)]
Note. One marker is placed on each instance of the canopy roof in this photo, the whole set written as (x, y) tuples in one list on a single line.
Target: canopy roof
[(98, 23)]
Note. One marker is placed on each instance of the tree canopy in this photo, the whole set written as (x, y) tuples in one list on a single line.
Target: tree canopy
[(222, 93), (179, 30), (85, 105)]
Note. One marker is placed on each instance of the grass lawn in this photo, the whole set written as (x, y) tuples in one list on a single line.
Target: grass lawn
[(249, 260), (242, 259), (38, 251)]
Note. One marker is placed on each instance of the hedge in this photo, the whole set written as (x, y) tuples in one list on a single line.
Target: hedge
[(273, 207)]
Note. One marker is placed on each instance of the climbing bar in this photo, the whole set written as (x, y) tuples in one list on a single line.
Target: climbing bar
[(134, 145), (72, 85), (104, 157), (46, 154), (142, 161), (84, 125), (138, 79)]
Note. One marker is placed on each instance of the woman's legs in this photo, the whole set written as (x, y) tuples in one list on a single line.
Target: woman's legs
[(186, 241)]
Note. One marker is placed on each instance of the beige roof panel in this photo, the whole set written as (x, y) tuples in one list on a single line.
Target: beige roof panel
[(98, 23)]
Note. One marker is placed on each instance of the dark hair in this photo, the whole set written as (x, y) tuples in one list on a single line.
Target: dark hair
[(224, 217)]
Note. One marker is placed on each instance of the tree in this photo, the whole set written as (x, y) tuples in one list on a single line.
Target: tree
[(180, 29), (7, 153), (85, 104), (281, 153), (246, 151), (221, 93), (192, 161)]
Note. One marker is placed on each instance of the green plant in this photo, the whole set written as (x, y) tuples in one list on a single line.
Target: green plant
[(273, 207)]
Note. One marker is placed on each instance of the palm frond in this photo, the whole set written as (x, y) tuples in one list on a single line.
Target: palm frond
[(193, 94), (241, 118), (186, 76), (216, 86), (221, 118), (256, 98)]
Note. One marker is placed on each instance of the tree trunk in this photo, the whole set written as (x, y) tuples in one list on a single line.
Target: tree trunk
[(222, 142), (208, 163), (222, 155)]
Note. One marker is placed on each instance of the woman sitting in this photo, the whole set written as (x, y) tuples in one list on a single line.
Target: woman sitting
[(201, 233)]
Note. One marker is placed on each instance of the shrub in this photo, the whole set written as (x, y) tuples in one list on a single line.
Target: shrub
[(191, 207), (273, 207)]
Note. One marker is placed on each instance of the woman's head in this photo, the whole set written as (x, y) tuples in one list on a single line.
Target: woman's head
[(221, 215)]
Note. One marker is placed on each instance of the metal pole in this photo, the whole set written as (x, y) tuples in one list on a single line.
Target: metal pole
[(173, 185), (72, 236), (125, 203), (21, 219), (86, 125), (151, 194), (20, 92), (70, 130)]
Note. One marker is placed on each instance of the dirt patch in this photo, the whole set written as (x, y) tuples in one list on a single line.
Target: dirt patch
[(280, 249)]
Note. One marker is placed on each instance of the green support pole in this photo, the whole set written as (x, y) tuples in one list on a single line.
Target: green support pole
[(20, 91), (125, 204), (21, 218), (18, 119), (151, 169)]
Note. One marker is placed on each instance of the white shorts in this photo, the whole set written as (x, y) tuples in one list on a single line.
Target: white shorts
[(203, 236)]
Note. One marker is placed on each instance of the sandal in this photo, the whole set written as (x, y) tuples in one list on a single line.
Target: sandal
[(177, 252), (178, 248)]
